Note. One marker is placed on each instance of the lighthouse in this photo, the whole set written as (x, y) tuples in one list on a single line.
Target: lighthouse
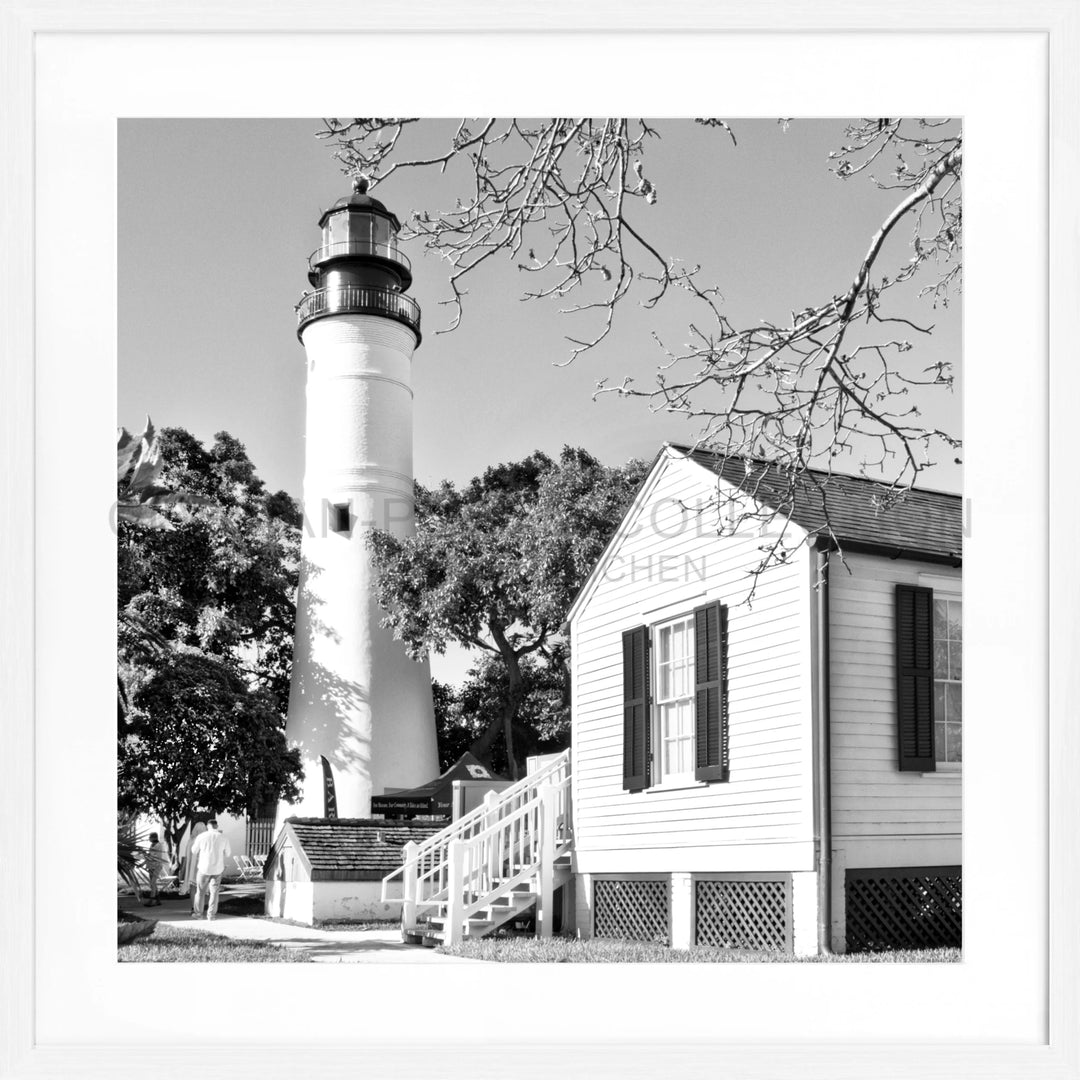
[(360, 710)]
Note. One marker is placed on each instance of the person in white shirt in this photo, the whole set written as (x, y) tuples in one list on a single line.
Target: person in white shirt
[(210, 850), (156, 858)]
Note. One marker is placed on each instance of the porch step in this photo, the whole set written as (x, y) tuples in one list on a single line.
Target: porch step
[(489, 918)]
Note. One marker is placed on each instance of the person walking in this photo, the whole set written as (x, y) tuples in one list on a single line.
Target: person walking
[(156, 858), (198, 827), (209, 851)]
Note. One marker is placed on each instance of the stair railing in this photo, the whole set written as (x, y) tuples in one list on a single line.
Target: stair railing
[(523, 847), (499, 839)]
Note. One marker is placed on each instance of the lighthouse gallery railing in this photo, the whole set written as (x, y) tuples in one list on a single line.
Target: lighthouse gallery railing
[(358, 300)]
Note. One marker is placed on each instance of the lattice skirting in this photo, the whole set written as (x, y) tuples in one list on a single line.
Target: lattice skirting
[(744, 914), (916, 907), (632, 910)]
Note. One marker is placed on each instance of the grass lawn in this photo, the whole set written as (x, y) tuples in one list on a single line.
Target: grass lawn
[(335, 924), (167, 945), (564, 950)]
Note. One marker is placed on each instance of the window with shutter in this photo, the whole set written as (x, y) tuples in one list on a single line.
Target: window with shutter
[(636, 727), (673, 644), (675, 711), (915, 677), (710, 686)]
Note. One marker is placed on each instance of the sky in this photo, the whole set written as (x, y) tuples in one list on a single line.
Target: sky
[(217, 218)]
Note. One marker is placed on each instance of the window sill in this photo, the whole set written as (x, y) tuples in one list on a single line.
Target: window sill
[(677, 785), (945, 772)]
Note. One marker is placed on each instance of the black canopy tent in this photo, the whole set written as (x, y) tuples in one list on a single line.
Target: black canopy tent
[(433, 799)]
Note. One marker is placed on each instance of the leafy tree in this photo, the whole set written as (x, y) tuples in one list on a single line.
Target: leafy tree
[(542, 724), (567, 201), (198, 736), (206, 605), (222, 577), (139, 496), (495, 566)]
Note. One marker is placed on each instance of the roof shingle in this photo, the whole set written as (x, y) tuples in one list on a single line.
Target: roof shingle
[(918, 522), (355, 848)]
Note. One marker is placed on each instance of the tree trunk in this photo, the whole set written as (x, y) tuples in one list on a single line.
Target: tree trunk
[(515, 688)]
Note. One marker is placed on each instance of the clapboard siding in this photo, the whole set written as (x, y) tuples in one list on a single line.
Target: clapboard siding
[(870, 795), (767, 800)]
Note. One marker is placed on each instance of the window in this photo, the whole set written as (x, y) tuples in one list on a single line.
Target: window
[(674, 706), (929, 671), (948, 680), (340, 518), (675, 700)]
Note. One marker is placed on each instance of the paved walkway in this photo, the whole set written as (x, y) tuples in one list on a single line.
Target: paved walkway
[(324, 946)]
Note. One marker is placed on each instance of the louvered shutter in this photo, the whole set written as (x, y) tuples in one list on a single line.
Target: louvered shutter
[(710, 698), (915, 677), (636, 709)]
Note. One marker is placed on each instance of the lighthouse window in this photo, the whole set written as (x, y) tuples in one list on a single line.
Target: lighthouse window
[(340, 518)]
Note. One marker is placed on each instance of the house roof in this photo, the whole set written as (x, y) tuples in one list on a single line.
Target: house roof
[(349, 849), (921, 524), (918, 523)]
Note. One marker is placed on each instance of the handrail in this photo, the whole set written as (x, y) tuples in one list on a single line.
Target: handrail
[(344, 248), (460, 829), (522, 848)]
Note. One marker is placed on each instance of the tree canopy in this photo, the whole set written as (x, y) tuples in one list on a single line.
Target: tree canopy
[(465, 713), (495, 566), (206, 604)]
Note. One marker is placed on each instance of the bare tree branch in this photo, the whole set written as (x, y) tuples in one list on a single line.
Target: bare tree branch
[(565, 199)]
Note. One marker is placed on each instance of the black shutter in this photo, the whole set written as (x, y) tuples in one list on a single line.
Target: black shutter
[(636, 727), (710, 698), (915, 677)]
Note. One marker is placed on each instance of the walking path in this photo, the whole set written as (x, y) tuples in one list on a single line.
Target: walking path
[(323, 946)]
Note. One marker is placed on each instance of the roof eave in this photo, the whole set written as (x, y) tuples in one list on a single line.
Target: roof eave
[(889, 551)]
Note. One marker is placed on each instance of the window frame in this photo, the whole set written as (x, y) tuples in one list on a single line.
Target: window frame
[(948, 595), (707, 720), (658, 778)]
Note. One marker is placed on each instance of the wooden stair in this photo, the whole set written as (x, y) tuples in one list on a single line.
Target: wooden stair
[(493, 866), (502, 910), (499, 912)]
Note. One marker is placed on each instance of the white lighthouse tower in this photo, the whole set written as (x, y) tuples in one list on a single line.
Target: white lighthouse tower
[(359, 709)]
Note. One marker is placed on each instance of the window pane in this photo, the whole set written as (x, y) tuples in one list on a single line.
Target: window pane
[(939, 742), (663, 679), (663, 651), (940, 619), (955, 623), (941, 658), (684, 755), (954, 737), (956, 660), (678, 641), (939, 702), (954, 705), (678, 679)]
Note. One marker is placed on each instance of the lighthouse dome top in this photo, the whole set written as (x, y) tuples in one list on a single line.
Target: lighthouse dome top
[(360, 201)]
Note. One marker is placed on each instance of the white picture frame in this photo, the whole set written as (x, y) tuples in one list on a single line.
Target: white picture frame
[(401, 1050)]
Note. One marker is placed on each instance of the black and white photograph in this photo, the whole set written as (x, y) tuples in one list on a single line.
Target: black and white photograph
[(584, 595), (540, 540)]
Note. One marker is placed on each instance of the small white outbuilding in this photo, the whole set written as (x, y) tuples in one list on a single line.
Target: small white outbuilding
[(322, 869)]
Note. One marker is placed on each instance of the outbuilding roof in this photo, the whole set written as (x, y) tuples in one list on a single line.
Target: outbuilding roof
[(348, 849), (917, 523)]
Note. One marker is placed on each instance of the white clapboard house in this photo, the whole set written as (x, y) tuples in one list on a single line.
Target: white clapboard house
[(767, 761)]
